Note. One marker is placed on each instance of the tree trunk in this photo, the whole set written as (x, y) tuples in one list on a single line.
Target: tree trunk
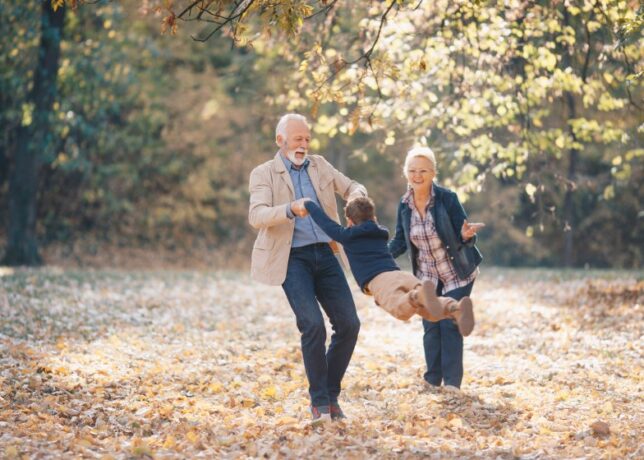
[(573, 153), (4, 166), (568, 208), (31, 141)]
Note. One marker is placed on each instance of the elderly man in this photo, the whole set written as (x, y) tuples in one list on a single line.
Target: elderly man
[(292, 251)]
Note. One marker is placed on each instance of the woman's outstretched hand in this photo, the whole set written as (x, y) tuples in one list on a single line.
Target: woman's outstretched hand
[(469, 229)]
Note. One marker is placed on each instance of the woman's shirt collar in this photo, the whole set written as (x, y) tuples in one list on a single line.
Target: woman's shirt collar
[(408, 198)]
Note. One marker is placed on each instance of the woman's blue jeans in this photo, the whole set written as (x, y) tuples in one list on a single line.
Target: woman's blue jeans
[(443, 345), (314, 275)]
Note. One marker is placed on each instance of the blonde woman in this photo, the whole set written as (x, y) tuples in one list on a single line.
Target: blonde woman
[(432, 228)]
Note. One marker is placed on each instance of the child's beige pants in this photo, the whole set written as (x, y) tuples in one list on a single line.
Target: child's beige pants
[(396, 293)]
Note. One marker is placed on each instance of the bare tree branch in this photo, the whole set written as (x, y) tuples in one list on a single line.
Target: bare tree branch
[(383, 19), (188, 9), (324, 10), (366, 56), (234, 18)]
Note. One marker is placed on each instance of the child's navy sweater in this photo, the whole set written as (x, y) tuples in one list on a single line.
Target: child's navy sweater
[(365, 245)]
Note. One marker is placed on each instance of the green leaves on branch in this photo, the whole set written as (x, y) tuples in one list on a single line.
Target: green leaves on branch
[(455, 72)]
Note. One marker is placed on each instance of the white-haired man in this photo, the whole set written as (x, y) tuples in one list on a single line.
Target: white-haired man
[(292, 251)]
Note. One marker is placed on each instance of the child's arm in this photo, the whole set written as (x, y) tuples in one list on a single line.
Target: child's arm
[(330, 227)]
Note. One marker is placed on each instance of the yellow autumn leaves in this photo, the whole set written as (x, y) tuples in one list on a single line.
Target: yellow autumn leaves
[(214, 370)]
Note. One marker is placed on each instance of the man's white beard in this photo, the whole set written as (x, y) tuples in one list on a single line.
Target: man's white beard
[(290, 154)]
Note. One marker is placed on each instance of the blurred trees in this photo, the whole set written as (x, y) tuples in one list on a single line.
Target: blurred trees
[(533, 108), (143, 130), (546, 96)]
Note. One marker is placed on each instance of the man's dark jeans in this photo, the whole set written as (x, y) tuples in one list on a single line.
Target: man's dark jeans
[(443, 345), (313, 275)]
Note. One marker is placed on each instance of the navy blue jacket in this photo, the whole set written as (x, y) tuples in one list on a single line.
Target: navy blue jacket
[(365, 245), (448, 215)]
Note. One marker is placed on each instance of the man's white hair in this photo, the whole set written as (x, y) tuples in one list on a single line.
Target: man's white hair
[(424, 152), (280, 130)]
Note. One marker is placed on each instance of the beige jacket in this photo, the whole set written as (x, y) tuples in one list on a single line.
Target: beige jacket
[(271, 192)]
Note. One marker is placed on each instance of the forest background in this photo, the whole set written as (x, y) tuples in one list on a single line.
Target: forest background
[(134, 144), (128, 130)]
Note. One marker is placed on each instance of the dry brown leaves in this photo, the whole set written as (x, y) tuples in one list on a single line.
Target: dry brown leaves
[(207, 365)]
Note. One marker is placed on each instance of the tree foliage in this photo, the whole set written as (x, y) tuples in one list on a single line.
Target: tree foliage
[(541, 100), (543, 95)]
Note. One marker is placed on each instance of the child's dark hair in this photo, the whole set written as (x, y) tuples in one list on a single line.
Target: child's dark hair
[(360, 209)]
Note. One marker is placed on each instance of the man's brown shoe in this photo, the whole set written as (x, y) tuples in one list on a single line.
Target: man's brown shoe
[(336, 411), (320, 415), (463, 313)]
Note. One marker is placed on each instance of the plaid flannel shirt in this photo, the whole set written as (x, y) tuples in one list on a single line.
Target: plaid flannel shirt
[(433, 260)]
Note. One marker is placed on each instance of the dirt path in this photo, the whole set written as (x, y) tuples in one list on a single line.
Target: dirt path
[(203, 365)]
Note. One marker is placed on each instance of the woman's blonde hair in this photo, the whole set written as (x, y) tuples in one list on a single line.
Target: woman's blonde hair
[(424, 152)]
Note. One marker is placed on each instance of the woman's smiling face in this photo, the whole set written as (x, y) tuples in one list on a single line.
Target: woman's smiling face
[(420, 174)]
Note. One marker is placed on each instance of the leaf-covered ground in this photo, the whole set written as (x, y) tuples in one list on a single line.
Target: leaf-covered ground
[(109, 364)]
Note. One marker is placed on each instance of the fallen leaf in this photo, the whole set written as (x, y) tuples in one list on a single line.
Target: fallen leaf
[(600, 428)]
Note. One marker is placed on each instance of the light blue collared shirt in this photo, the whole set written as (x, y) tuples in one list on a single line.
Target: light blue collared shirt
[(306, 230)]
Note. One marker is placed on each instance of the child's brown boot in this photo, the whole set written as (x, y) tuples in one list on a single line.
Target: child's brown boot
[(463, 313)]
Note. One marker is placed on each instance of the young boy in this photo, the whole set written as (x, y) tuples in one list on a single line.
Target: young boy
[(398, 292)]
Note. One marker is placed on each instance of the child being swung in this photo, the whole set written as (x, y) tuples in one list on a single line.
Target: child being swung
[(398, 292)]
